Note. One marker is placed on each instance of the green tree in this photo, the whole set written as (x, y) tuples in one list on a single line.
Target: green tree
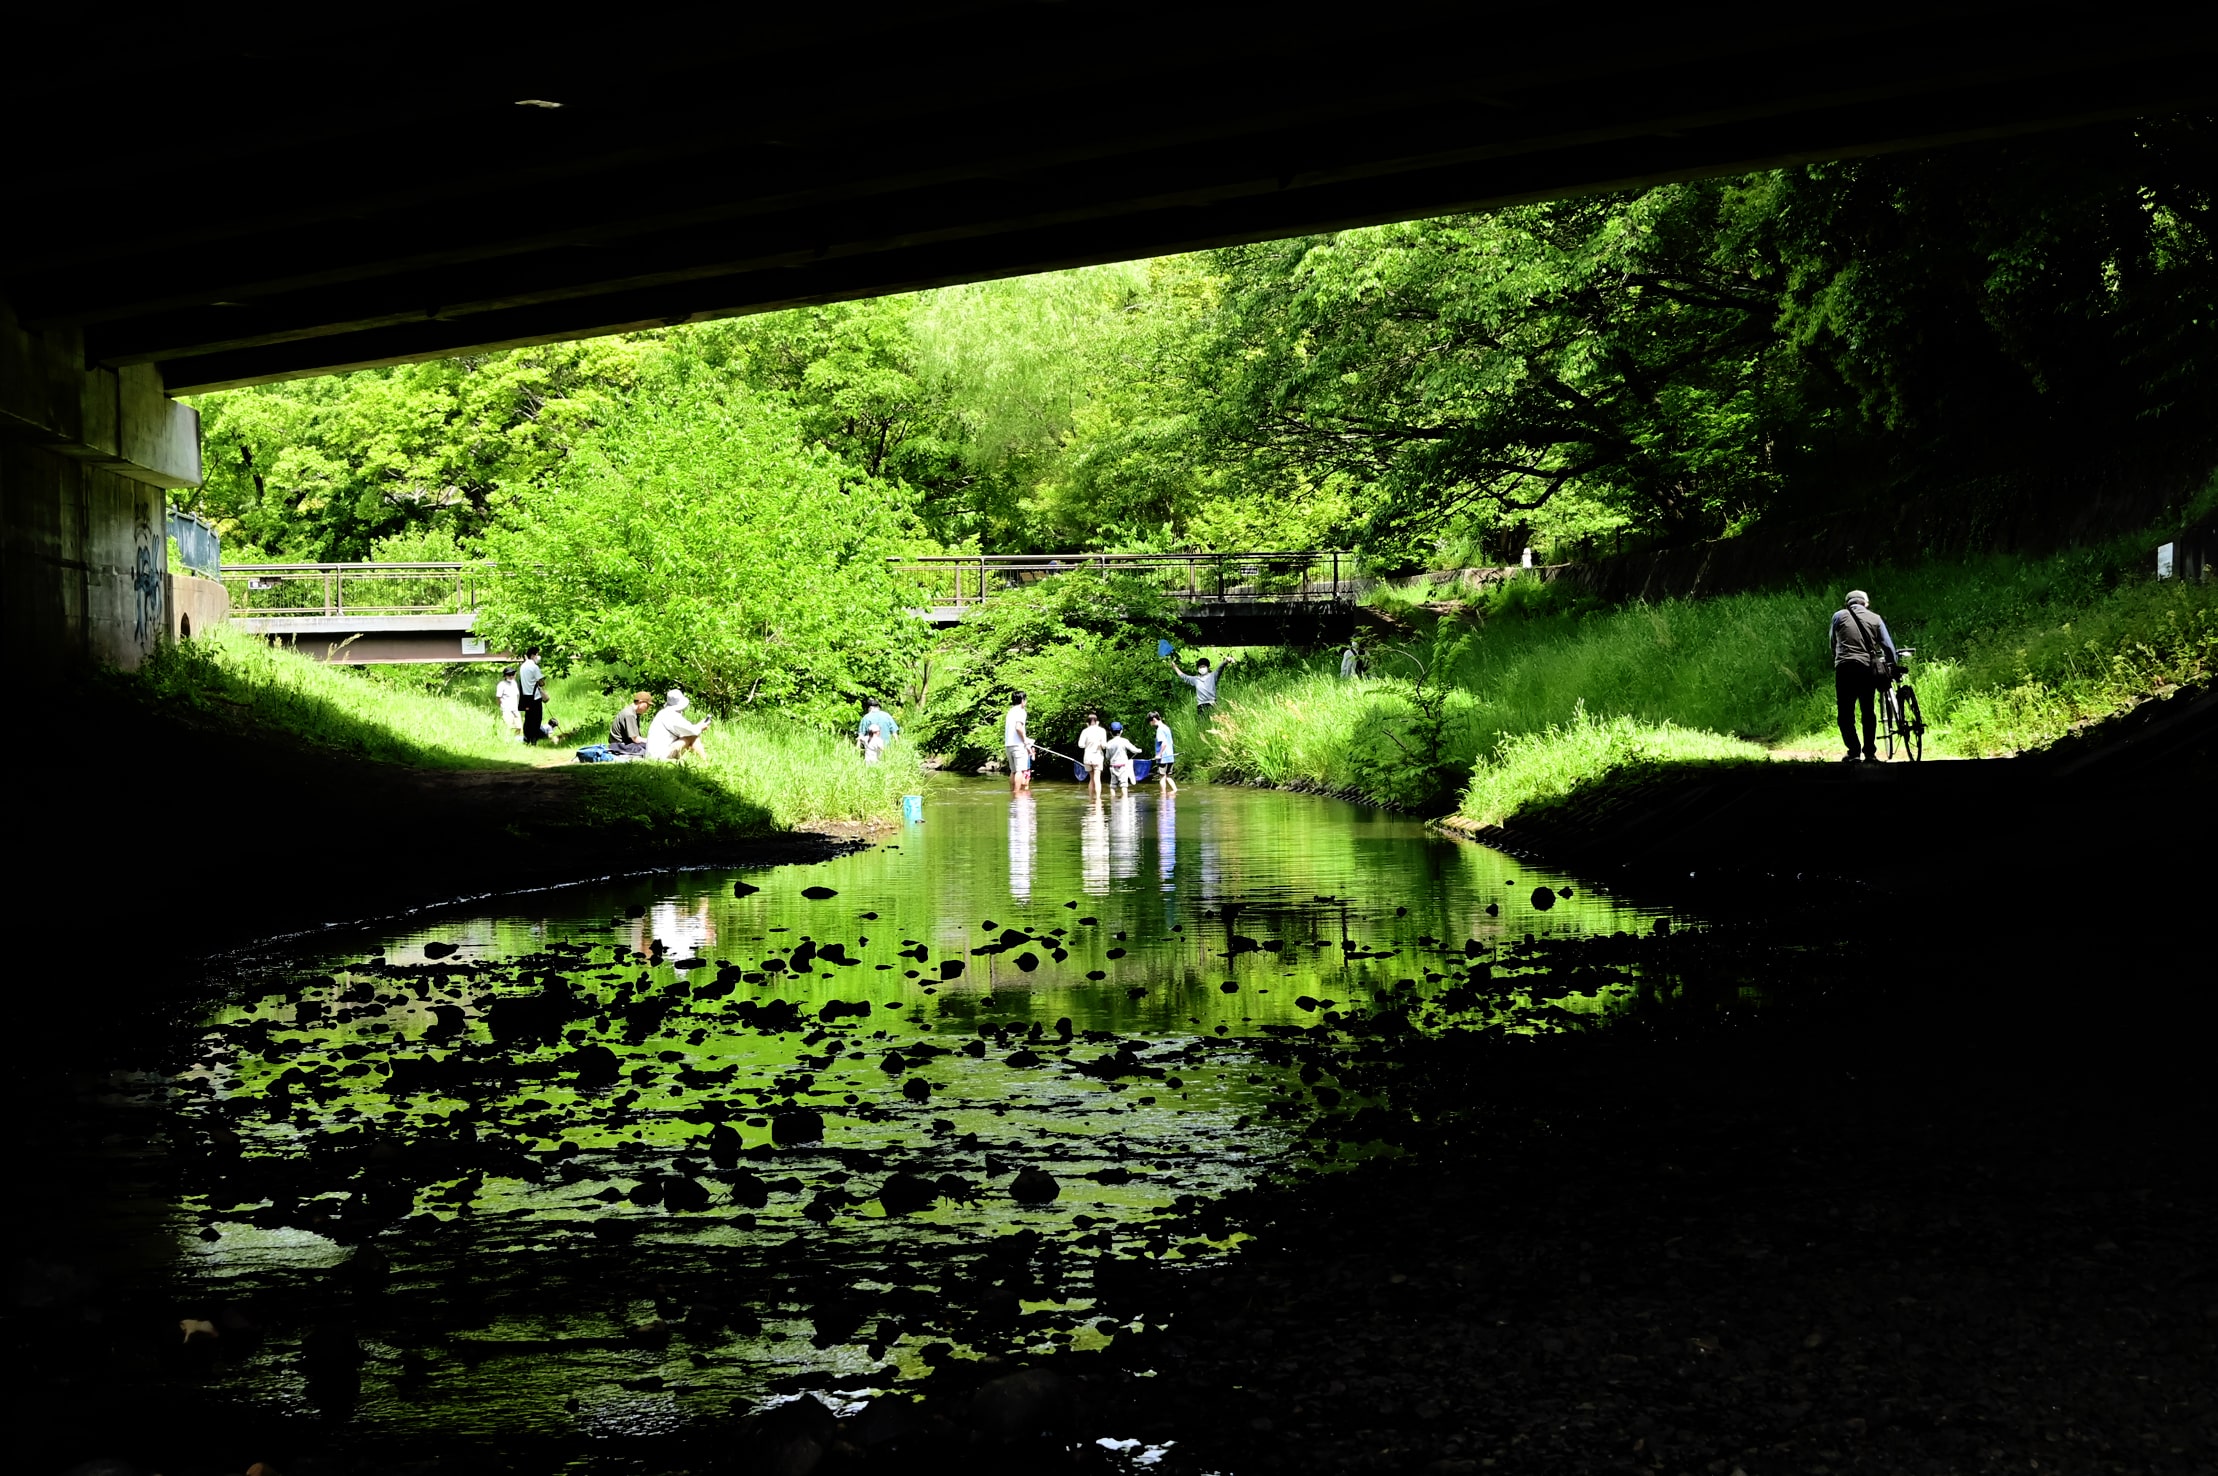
[(322, 468), (699, 541), (1615, 348)]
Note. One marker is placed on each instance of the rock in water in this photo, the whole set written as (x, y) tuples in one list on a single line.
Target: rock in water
[(917, 1090), (1543, 899), (681, 1193), (951, 968), (1034, 1186), (797, 1125), (441, 950), (905, 1194), (595, 1065), (1025, 1405), (818, 894), (742, 889)]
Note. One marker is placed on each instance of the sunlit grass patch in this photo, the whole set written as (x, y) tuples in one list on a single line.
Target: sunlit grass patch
[(1528, 769)]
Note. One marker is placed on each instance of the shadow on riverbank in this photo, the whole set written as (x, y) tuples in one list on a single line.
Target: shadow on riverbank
[(1986, 830), (182, 832)]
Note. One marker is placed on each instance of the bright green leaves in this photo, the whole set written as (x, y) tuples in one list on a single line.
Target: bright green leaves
[(699, 542)]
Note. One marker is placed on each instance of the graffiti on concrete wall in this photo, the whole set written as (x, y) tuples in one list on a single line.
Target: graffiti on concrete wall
[(146, 579)]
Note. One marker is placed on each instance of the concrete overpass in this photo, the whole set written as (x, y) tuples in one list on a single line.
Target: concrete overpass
[(202, 201)]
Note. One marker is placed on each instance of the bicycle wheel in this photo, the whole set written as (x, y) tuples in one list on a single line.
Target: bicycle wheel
[(1913, 724), (1890, 720)]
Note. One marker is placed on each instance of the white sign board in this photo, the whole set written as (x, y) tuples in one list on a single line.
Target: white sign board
[(473, 645), (2164, 561)]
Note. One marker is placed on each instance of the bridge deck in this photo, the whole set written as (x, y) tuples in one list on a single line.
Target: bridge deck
[(369, 613)]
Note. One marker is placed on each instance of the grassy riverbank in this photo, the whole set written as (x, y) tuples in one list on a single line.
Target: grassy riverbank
[(763, 775), (1522, 695)]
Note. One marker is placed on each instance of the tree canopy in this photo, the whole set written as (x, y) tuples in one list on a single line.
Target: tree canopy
[(1674, 363)]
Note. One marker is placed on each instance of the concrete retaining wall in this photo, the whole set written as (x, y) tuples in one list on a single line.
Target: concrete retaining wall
[(86, 457), (196, 606)]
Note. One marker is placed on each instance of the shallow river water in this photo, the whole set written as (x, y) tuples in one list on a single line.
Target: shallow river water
[(605, 1159)]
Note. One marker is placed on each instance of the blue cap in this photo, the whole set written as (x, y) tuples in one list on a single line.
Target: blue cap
[(1116, 727)]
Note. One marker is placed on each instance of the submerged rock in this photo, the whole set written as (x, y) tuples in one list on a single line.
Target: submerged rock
[(905, 1193), (1034, 1186), (1026, 1405)]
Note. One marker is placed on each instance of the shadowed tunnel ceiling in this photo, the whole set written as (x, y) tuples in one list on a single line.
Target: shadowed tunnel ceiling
[(290, 201)]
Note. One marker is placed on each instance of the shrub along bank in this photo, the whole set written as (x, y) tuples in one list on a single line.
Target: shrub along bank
[(1525, 693)]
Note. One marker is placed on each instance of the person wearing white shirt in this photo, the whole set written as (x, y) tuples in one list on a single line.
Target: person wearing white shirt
[(1016, 742), (670, 736), (1166, 753), (531, 694), (509, 695), (1092, 752), (1120, 751)]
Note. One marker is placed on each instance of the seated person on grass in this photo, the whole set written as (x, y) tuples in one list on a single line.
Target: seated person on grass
[(623, 731), (670, 736)]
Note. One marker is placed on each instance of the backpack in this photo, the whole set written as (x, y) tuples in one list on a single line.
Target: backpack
[(596, 753)]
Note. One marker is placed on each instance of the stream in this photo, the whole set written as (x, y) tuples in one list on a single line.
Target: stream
[(605, 1162)]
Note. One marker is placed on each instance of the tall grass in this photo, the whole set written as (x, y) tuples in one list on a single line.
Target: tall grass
[(1542, 687), (755, 766)]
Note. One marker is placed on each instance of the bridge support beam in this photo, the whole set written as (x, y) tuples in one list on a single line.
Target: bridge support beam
[(87, 456)]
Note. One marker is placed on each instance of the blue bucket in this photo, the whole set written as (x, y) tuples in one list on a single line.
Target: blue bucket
[(912, 808)]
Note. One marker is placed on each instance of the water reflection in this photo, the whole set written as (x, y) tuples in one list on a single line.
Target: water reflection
[(1024, 830), (626, 1190)]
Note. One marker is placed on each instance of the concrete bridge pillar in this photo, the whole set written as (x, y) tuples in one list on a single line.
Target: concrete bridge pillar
[(87, 456)]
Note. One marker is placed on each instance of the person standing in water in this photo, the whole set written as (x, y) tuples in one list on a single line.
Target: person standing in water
[(1016, 743), (1121, 751), (1166, 753), (1093, 743)]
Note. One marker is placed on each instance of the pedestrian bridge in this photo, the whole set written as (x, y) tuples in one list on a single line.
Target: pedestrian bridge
[(368, 613)]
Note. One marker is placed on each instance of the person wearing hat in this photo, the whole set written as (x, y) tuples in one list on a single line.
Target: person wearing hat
[(1121, 751), (1863, 661), (670, 736)]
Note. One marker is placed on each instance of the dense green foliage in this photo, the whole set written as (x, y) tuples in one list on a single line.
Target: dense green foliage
[(1543, 691), (713, 506), (1675, 362), (698, 542)]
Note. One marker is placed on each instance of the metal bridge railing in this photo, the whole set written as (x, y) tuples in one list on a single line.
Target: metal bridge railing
[(357, 588), (958, 580)]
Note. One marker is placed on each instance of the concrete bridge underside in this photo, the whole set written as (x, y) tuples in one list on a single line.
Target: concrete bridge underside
[(203, 201)]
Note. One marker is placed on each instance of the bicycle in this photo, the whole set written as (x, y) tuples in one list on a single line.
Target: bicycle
[(1900, 718)]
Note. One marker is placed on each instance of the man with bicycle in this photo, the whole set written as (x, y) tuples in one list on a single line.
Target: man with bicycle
[(1863, 662)]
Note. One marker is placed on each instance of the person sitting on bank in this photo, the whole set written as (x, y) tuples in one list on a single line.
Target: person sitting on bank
[(878, 729), (1204, 683), (670, 736), (623, 731), (1863, 661)]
